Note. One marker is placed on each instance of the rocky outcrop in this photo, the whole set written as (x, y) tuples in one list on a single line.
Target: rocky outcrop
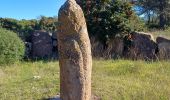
[(143, 46), (41, 44), (74, 53)]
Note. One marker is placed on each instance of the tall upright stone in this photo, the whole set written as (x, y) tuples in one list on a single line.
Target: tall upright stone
[(74, 53)]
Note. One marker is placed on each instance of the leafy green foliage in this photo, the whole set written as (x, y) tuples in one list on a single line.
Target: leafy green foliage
[(155, 11), (11, 47), (47, 23), (107, 19), (24, 28)]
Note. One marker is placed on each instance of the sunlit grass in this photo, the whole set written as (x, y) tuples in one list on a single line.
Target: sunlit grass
[(161, 33), (29, 81), (131, 80), (111, 80)]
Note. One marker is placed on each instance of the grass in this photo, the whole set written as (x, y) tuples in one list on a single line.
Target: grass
[(161, 33), (29, 81), (131, 80), (111, 80)]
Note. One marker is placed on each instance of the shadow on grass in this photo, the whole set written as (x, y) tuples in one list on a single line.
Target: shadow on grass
[(55, 98)]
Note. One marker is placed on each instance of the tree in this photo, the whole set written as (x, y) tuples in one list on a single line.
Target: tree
[(160, 8), (24, 28), (107, 19), (47, 23)]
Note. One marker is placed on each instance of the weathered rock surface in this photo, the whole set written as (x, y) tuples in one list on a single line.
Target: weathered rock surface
[(162, 39), (143, 46), (41, 44), (28, 49), (164, 50), (163, 47), (74, 53), (114, 48)]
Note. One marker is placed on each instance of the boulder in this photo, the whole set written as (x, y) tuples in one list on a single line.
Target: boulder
[(55, 46), (163, 47), (142, 47), (97, 48), (74, 53), (164, 50), (41, 44), (162, 39), (114, 48), (28, 48)]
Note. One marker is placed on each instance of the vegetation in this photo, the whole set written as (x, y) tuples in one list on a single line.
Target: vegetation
[(107, 19), (24, 28), (162, 33), (11, 47), (156, 11), (112, 79)]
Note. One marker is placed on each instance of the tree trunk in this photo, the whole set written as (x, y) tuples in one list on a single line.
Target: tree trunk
[(161, 15)]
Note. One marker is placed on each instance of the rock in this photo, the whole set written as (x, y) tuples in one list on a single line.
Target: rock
[(162, 39), (114, 48), (28, 48), (54, 36), (97, 48), (41, 44), (143, 46), (163, 48), (74, 53), (55, 46)]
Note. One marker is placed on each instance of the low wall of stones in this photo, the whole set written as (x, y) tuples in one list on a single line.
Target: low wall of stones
[(143, 46)]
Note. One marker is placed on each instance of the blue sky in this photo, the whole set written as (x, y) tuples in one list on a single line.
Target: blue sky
[(29, 9)]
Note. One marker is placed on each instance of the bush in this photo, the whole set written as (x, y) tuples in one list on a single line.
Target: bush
[(11, 47), (108, 19)]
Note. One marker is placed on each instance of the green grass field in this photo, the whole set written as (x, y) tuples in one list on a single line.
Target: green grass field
[(111, 80)]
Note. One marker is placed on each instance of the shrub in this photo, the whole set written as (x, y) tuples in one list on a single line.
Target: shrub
[(11, 47), (108, 19)]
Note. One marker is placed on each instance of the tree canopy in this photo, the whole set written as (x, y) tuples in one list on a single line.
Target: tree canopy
[(156, 10), (107, 19)]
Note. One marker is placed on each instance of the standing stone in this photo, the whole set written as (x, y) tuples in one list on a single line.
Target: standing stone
[(74, 53)]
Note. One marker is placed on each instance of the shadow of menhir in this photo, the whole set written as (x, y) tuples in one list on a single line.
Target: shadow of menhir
[(41, 44), (142, 47), (57, 98)]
